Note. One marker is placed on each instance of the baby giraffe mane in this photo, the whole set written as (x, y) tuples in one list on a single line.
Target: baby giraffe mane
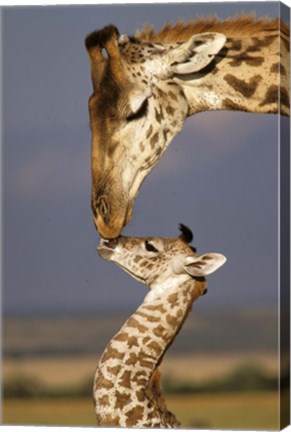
[(240, 26)]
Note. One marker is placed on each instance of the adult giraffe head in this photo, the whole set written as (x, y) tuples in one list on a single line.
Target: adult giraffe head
[(144, 87), (135, 111)]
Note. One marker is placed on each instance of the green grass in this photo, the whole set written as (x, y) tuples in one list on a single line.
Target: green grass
[(227, 411), (49, 412), (219, 411)]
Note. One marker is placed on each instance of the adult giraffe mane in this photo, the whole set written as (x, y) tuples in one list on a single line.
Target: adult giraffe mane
[(242, 25)]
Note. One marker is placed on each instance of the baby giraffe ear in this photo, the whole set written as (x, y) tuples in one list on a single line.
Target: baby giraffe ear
[(195, 54), (203, 265)]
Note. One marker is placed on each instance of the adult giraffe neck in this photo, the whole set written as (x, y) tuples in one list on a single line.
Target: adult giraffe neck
[(121, 391), (246, 77)]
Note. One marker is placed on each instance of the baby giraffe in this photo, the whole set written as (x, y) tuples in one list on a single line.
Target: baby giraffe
[(126, 384)]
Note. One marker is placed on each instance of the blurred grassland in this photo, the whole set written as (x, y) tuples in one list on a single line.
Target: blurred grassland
[(235, 396), (220, 411), (223, 380), (69, 370)]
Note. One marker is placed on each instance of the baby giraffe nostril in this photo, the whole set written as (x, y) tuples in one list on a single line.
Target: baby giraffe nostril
[(111, 243)]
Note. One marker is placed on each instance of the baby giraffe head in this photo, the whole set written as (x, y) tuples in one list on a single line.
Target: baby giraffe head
[(160, 263)]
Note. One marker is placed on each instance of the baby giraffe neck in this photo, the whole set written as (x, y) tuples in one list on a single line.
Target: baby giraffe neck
[(125, 369)]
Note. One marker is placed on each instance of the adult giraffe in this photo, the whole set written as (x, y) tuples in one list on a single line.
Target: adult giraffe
[(145, 87)]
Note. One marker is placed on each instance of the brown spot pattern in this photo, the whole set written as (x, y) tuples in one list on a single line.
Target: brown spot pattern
[(165, 133), (132, 322), (149, 318), (271, 96), (258, 43), (122, 337), (154, 139), (132, 359), (158, 308), (108, 420), (173, 299), (237, 60), (134, 415), (155, 346), (171, 320), (159, 331), (140, 395), (170, 110), (241, 86), (125, 379), (104, 400), (235, 44), (172, 96), (140, 378), (132, 341), (146, 363), (149, 131), (102, 382), (275, 68), (122, 399), (284, 97), (282, 69), (113, 369), (158, 152), (215, 70), (111, 353), (230, 105), (179, 313), (159, 115)]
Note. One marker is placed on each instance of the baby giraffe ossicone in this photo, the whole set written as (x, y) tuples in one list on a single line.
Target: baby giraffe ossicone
[(126, 383)]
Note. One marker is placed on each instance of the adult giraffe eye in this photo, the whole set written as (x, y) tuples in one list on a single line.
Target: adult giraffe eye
[(150, 247), (141, 112)]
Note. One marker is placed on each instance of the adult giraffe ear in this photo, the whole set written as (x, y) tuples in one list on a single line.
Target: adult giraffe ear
[(193, 55), (202, 265)]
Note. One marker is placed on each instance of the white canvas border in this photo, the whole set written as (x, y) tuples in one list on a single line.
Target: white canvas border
[(9, 3)]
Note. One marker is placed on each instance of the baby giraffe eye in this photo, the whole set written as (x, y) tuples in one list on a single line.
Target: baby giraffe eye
[(150, 247)]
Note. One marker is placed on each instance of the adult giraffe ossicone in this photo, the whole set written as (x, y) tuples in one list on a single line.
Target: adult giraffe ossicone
[(145, 87)]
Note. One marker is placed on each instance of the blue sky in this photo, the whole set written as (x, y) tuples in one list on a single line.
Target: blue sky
[(219, 176)]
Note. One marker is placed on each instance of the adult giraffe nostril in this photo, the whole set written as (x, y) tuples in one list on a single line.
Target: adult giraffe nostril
[(103, 207)]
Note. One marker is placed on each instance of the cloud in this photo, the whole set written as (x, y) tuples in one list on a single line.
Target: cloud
[(211, 137), (229, 129), (53, 172)]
